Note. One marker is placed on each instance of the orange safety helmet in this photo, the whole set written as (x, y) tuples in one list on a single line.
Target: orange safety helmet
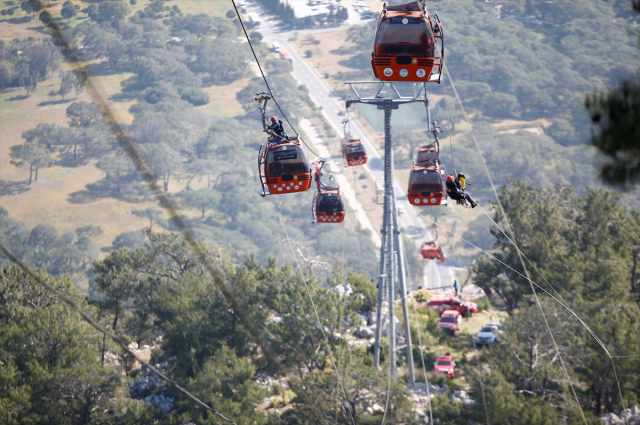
[(274, 119), (449, 178)]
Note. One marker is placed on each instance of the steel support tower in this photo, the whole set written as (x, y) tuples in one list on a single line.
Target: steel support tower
[(392, 280)]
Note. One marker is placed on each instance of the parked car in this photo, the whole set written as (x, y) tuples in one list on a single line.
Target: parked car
[(450, 322), (453, 303), (276, 46), (445, 364), (490, 334)]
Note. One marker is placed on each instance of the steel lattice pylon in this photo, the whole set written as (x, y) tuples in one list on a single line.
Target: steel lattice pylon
[(392, 277)]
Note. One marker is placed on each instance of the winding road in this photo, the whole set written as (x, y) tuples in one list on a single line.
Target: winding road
[(436, 275)]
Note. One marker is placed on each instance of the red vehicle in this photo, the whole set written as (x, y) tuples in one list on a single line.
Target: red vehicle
[(284, 168), (431, 251), (450, 322), (427, 185), (285, 55), (445, 364), (354, 153), (283, 164), (404, 48), (452, 303), (328, 206)]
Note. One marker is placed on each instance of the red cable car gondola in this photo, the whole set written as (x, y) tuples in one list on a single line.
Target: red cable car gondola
[(354, 153), (283, 164), (431, 251), (284, 168), (328, 206), (404, 48), (427, 185)]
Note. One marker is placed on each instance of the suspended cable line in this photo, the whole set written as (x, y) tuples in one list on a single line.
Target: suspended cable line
[(244, 29), (569, 309), (424, 368), (94, 323), (148, 175), (315, 310)]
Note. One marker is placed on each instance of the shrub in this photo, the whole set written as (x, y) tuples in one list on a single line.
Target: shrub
[(562, 132), (133, 2), (422, 295), (483, 304), (195, 96), (309, 53)]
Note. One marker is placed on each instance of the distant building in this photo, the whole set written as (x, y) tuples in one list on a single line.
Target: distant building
[(311, 12)]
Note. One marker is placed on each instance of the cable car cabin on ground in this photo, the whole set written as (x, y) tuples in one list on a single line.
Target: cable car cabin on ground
[(404, 48), (328, 206), (427, 184), (431, 251), (284, 168), (354, 153)]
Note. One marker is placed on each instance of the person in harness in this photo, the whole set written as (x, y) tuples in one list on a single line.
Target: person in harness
[(318, 176), (456, 188), (277, 131)]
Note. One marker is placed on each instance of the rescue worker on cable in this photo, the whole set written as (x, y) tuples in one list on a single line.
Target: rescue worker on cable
[(456, 188), (277, 131), (318, 175)]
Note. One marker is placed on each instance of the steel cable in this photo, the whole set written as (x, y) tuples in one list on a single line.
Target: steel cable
[(264, 77)]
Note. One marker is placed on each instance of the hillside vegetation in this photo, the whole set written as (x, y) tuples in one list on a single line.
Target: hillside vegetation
[(174, 77)]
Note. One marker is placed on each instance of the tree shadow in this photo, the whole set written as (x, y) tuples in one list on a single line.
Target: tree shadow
[(55, 102), (102, 69), (130, 191), (127, 97), (131, 85), (19, 97), (67, 160), (20, 20), (13, 187), (41, 30)]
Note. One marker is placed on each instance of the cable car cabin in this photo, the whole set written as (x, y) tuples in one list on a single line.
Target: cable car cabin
[(328, 206), (431, 251), (284, 168), (427, 184), (404, 48), (428, 153), (354, 153)]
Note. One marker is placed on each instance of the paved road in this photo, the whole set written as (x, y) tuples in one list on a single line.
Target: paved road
[(436, 275)]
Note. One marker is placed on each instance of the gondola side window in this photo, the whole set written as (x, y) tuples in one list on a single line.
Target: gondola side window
[(354, 148), (330, 203), (292, 160), (396, 37), (426, 156), (426, 177)]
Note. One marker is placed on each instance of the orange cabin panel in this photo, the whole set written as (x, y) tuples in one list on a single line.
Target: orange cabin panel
[(354, 153), (285, 168), (405, 48), (426, 185), (328, 206), (431, 251)]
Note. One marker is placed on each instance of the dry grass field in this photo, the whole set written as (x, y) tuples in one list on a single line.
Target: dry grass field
[(59, 197)]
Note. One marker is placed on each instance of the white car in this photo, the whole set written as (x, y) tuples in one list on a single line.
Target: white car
[(276, 46), (490, 334)]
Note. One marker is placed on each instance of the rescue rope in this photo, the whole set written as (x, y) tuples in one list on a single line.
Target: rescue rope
[(424, 367), (446, 104), (556, 299), (520, 256), (315, 310), (484, 398), (244, 29)]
